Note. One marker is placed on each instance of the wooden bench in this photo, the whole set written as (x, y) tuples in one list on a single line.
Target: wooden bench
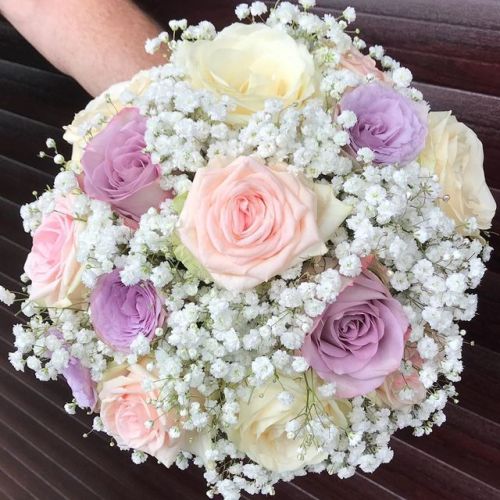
[(453, 49)]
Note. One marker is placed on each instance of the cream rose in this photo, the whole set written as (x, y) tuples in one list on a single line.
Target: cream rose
[(51, 265), (91, 120), (130, 417), (455, 154), (246, 222), (261, 430), (250, 63)]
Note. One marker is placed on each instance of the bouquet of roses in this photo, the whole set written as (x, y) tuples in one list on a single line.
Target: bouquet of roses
[(258, 255)]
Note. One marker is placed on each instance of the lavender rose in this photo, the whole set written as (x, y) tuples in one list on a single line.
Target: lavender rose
[(78, 378), (118, 171), (82, 386), (120, 313), (359, 339), (390, 124)]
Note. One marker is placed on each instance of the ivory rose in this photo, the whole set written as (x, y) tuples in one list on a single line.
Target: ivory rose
[(126, 408), (91, 120), (250, 63), (455, 154), (261, 429), (246, 222), (51, 265)]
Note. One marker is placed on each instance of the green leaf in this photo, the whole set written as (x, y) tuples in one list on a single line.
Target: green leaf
[(182, 254), (178, 202)]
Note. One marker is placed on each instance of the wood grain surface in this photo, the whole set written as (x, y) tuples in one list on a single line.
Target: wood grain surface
[(453, 49)]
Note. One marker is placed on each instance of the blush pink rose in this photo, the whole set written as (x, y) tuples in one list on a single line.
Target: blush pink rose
[(359, 338), (361, 65), (246, 222), (51, 265), (126, 409), (390, 391), (116, 169)]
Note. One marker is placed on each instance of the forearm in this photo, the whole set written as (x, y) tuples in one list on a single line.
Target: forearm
[(98, 42)]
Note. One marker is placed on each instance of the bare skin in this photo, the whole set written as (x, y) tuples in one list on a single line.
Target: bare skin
[(97, 42)]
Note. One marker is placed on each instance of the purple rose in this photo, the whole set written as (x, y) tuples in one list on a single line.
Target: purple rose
[(83, 387), (118, 171), (120, 313), (78, 378), (390, 124), (359, 339)]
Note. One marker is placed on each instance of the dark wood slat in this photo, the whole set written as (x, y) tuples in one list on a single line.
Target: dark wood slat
[(20, 180), (10, 284), (219, 12), (11, 223), (40, 94), (421, 476), (29, 484), (428, 36), (423, 64), (10, 490), (13, 258), (480, 112), (22, 139), (53, 423), (475, 453), (484, 14), (9, 487), (479, 389), (32, 456), (484, 328), (358, 486)]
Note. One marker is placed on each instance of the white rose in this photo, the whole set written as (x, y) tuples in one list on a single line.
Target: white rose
[(261, 429), (455, 154), (100, 110), (250, 63)]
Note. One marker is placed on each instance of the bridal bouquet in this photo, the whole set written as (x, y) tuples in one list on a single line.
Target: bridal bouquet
[(258, 256)]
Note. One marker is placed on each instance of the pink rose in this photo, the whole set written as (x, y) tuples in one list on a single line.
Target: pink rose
[(116, 169), (126, 409), (51, 265), (246, 222), (359, 339), (362, 65), (390, 391)]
